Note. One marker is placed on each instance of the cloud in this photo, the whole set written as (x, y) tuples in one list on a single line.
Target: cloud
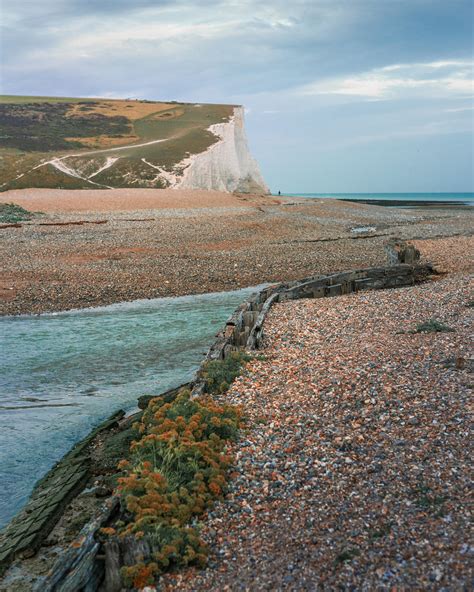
[(211, 50), (225, 40), (438, 78), (334, 70), (460, 109)]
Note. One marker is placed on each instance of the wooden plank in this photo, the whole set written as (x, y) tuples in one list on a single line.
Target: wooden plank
[(255, 333)]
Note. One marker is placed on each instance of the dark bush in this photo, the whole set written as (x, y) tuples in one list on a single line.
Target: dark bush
[(219, 374), (433, 326)]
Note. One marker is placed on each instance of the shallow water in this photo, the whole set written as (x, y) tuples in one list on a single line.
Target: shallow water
[(465, 198), (63, 373)]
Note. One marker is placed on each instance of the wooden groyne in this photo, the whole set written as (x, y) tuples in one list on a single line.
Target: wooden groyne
[(23, 536), (244, 329)]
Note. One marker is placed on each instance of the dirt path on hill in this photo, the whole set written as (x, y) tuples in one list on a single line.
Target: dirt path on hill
[(58, 162)]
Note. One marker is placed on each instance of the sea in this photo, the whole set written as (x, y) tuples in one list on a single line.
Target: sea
[(398, 199)]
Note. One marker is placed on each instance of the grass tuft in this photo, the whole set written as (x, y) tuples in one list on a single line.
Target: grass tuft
[(11, 213), (433, 326)]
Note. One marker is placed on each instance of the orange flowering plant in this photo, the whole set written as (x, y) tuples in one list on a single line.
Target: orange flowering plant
[(176, 470)]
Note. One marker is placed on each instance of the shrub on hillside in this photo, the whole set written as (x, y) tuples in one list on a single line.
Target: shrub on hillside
[(11, 213)]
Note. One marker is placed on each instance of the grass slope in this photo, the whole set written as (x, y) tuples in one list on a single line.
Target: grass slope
[(88, 133)]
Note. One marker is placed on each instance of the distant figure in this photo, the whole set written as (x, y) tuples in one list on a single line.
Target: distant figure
[(279, 192)]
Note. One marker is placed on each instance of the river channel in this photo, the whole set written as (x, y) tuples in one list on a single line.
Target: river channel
[(63, 373)]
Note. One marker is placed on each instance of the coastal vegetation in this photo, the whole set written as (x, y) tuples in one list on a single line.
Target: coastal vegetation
[(219, 374), (44, 127), (84, 133), (11, 213), (175, 471)]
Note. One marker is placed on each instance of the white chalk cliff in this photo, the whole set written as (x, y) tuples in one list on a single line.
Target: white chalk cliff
[(227, 165)]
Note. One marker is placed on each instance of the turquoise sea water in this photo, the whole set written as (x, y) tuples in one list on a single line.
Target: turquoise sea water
[(465, 198), (63, 373)]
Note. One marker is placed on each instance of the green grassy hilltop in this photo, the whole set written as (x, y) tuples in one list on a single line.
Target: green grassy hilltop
[(92, 143)]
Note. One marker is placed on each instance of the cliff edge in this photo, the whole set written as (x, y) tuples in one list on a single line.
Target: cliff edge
[(226, 165)]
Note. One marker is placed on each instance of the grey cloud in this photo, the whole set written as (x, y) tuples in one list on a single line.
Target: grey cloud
[(273, 44), (255, 52)]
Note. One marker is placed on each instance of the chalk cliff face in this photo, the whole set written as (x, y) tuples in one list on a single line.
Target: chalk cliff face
[(227, 165)]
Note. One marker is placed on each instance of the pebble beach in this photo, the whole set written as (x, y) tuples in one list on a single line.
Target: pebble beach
[(90, 247), (354, 471)]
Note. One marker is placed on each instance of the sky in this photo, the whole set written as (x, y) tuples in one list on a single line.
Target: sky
[(340, 95)]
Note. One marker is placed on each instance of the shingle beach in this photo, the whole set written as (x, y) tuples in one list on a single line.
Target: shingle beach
[(354, 472), (92, 247)]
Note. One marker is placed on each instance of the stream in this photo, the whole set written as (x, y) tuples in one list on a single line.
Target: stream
[(63, 373)]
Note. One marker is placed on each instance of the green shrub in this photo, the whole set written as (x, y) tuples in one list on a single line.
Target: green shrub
[(432, 326), (11, 213), (219, 374)]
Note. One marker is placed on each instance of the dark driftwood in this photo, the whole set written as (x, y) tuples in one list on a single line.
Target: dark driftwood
[(134, 550), (72, 223), (331, 240), (24, 535), (74, 568), (123, 552), (256, 333), (12, 225), (399, 251), (112, 579)]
